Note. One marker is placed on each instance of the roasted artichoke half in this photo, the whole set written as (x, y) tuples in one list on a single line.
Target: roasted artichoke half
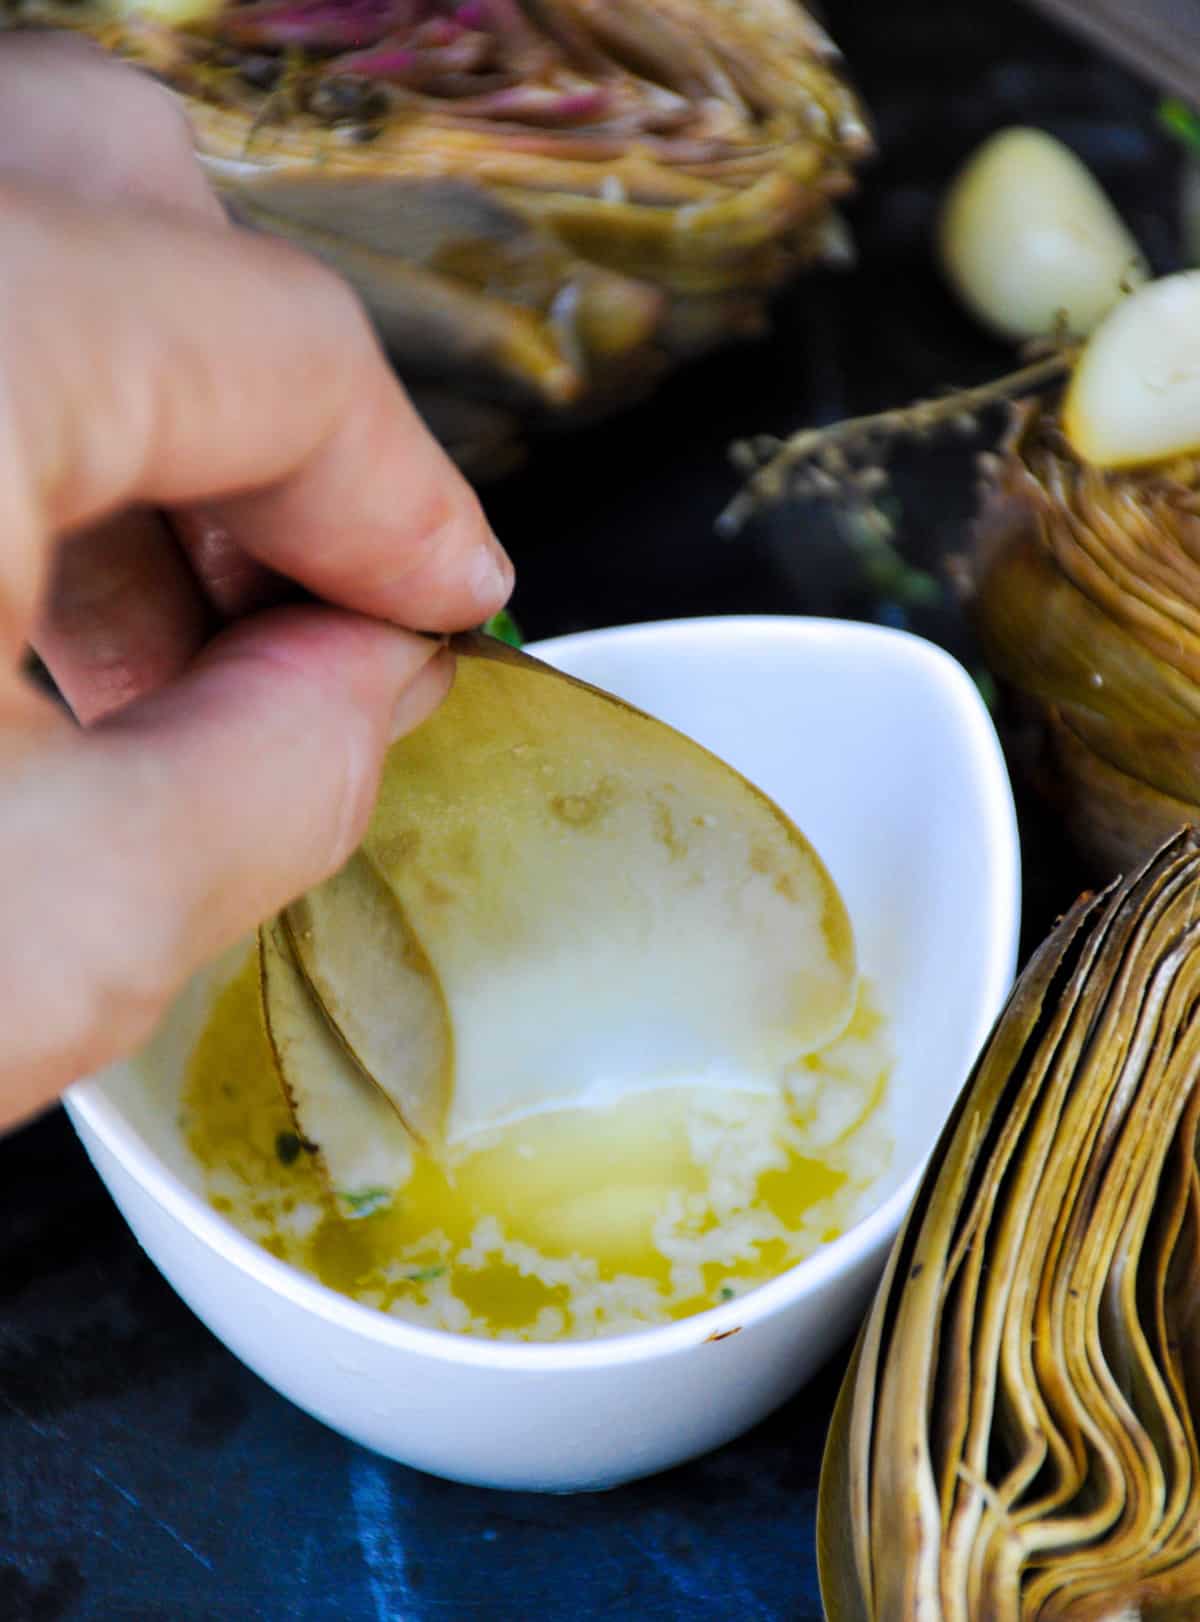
[(544, 202), (1017, 1435), (1085, 588)]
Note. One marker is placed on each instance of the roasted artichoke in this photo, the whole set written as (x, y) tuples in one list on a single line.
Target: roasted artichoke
[(1017, 1435), (544, 202), (1085, 587)]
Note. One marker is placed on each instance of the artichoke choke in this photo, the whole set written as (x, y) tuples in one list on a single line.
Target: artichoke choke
[(1017, 1435), (544, 204)]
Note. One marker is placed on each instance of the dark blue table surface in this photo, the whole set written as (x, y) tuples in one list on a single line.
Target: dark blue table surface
[(144, 1473)]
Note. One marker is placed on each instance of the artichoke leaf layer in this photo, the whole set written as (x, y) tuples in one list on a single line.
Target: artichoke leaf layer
[(560, 900), (1017, 1437), (361, 1145), (1086, 593)]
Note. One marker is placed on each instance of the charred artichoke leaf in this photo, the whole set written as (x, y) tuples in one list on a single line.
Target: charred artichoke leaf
[(359, 1142), (457, 282), (544, 203), (1112, 814), (843, 1558), (598, 903), (433, 322), (1017, 1437)]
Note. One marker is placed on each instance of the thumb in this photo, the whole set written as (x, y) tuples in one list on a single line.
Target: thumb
[(135, 851)]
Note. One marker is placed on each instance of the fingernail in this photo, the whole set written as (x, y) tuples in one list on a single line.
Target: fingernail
[(492, 577)]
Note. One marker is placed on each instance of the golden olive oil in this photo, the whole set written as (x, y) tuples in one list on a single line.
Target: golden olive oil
[(568, 1223)]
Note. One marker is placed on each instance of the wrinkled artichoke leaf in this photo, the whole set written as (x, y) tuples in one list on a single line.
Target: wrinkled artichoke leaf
[(1088, 607), (1037, 1347), (371, 980), (358, 1140)]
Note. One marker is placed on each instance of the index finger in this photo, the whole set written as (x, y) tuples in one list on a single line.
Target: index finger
[(169, 361)]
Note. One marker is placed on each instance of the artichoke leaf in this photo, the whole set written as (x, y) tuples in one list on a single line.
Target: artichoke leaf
[(373, 983), (841, 1520), (1120, 1381), (1030, 1430), (434, 322), (356, 1138), (1095, 553), (559, 896), (1086, 595), (1166, 761), (736, 240), (1042, 634), (1113, 813), (1083, 1407), (912, 1485), (456, 277), (861, 1395)]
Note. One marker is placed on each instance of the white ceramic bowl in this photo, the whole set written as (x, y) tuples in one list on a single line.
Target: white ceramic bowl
[(879, 747)]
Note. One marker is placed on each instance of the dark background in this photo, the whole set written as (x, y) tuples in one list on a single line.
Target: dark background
[(144, 1474)]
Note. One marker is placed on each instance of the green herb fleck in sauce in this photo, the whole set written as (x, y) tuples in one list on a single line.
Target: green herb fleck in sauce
[(367, 1202)]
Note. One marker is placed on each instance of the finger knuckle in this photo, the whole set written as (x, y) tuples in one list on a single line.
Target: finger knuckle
[(134, 976), (139, 143), (342, 761), (329, 302), (104, 1009), (147, 147), (444, 533), (133, 100), (351, 786), (152, 137)]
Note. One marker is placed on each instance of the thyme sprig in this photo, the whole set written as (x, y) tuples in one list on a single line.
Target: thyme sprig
[(845, 459)]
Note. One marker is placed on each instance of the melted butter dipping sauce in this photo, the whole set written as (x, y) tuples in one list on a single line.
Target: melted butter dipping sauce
[(565, 1225)]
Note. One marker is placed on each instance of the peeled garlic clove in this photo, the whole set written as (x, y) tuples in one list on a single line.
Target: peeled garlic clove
[(1135, 394), (1029, 239), (601, 904), (359, 1142)]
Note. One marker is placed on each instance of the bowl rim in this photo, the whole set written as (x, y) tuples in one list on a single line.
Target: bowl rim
[(96, 1116)]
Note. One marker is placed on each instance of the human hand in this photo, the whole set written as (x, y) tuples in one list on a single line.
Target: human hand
[(153, 358)]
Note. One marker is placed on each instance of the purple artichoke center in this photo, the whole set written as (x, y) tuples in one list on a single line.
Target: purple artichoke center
[(484, 53)]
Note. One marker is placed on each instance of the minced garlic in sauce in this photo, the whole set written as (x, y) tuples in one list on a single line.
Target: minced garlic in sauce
[(570, 1224)]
